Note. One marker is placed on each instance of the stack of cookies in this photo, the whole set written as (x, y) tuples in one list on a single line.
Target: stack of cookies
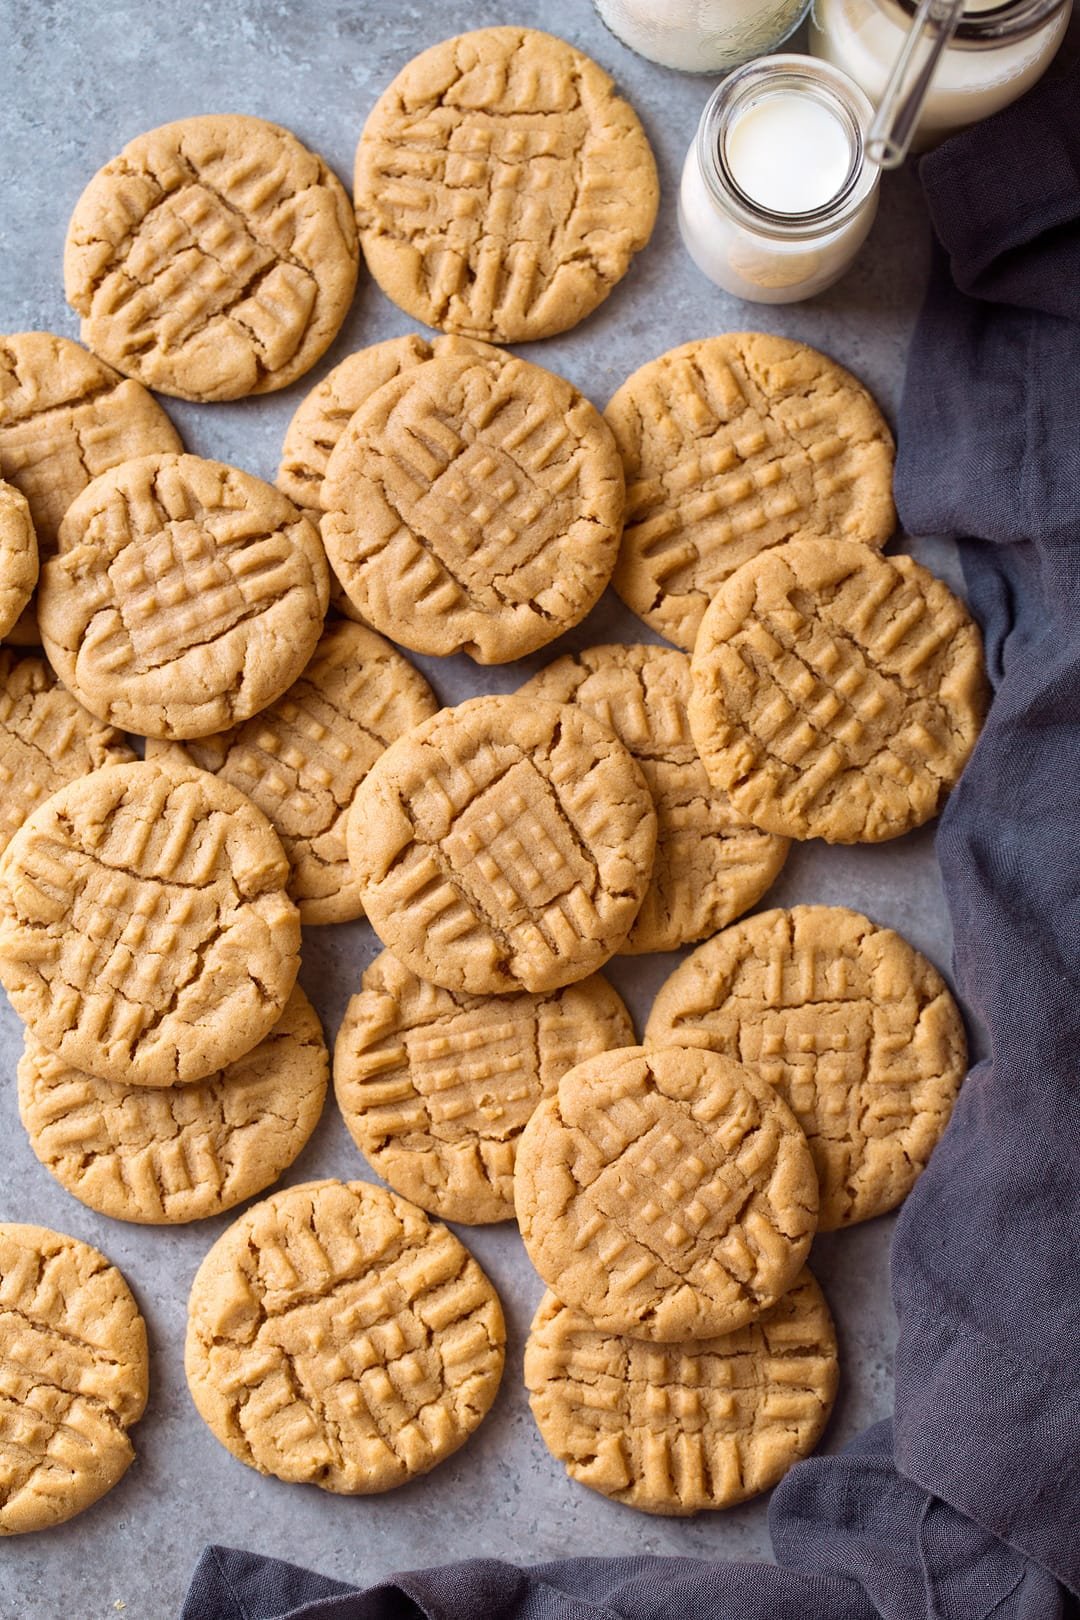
[(442, 495)]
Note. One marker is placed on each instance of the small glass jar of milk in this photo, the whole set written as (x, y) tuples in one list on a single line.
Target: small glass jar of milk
[(702, 36), (777, 195), (999, 50)]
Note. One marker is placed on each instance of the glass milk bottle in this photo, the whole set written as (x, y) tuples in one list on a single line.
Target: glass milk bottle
[(702, 36), (777, 195), (997, 52)]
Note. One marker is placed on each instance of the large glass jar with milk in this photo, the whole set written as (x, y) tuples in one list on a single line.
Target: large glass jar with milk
[(777, 193), (1000, 48)]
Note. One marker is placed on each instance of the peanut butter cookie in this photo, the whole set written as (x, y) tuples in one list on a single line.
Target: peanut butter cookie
[(473, 504), (186, 596), (436, 1087), (503, 845), (668, 1194), (731, 445), (675, 1428), (837, 693), (711, 863), (162, 1155), (215, 257), (18, 556), (856, 1030), (66, 417), (323, 415), (502, 187), (302, 759), (73, 1377), (46, 740), (145, 932), (336, 1337)]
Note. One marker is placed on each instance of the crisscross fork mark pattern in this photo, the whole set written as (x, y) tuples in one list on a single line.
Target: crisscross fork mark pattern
[(675, 1428)]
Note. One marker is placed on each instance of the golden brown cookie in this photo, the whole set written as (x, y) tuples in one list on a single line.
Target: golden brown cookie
[(502, 187), (46, 739), (732, 445), (186, 596), (73, 1377), (856, 1030), (711, 863), (162, 1155), (215, 257), (323, 415), (18, 556), (436, 1087), (473, 504), (302, 759), (66, 417), (503, 845), (676, 1428), (337, 1337), (668, 1194), (145, 932), (837, 693)]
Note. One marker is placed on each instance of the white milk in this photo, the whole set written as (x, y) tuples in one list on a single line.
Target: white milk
[(864, 38), (701, 36), (776, 197)]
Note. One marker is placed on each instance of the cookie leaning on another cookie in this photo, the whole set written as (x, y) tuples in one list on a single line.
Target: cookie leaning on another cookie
[(668, 1194), (145, 932), (711, 863), (503, 845), (73, 1377), (856, 1030), (473, 503), (162, 1155), (837, 693), (337, 1337), (186, 596), (302, 759), (502, 187), (214, 257), (731, 445), (436, 1086), (46, 739), (677, 1428)]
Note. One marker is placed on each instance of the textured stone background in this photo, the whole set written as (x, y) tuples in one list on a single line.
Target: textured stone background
[(76, 82)]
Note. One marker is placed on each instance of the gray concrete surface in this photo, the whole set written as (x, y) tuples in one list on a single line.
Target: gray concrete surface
[(77, 81)]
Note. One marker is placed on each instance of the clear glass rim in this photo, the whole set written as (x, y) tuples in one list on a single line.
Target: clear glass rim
[(998, 25), (741, 89)]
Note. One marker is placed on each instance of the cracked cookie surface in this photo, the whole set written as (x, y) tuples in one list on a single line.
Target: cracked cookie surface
[(46, 740), (678, 1428), (162, 1155), (668, 1194), (732, 445), (18, 555), (711, 863), (145, 932), (503, 845), (66, 417), (502, 187), (73, 1377), (856, 1030), (186, 596), (214, 257), (436, 1086), (337, 1337), (302, 759), (473, 503), (837, 693)]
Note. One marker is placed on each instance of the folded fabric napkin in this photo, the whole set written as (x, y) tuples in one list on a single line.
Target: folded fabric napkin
[(966, 1505)]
